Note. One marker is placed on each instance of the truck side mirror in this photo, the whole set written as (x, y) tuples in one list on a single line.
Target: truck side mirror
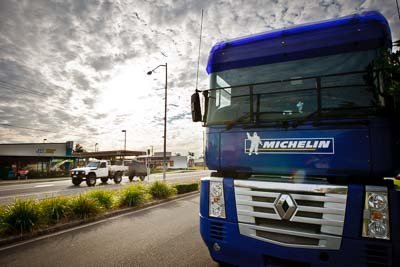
[(196, 109)]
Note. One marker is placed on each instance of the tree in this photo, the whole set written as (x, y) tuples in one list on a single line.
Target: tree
[(383, 75), (389, 64), (79, 148)]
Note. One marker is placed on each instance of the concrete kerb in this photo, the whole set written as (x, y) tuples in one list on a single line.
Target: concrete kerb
[(57, 228)]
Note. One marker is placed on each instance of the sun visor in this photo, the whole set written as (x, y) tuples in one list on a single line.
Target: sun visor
[(369, 30)]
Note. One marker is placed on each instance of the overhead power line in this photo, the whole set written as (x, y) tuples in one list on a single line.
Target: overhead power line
[(10, 86), (8, 125), (24, 127)]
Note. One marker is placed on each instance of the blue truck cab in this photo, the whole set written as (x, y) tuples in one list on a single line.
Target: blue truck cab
[(303, 140)]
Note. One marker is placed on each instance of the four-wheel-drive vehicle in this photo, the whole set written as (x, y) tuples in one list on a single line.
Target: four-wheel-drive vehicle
[(97, 169), (137, 168)]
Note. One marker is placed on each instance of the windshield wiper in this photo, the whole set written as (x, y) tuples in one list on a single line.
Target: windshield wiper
[(247, 115), (327, 113), (300, 121), (231, 124)]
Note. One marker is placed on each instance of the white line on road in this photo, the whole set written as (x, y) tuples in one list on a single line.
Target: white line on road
[(44, 185)]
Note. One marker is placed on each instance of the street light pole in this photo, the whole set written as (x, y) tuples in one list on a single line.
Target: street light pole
[(165, 117), (124, 131)]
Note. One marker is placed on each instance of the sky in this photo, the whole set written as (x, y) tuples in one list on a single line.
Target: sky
[(77, 70)]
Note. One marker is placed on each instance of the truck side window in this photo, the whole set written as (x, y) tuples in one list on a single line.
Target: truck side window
[(102, 165), (224, 95)]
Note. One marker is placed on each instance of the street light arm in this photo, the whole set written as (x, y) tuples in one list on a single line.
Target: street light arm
[(151, 71)]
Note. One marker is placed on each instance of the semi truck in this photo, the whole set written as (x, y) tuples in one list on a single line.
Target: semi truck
[(97, 169), (303, 140)]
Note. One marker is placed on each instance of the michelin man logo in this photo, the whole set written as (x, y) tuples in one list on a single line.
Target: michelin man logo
[(255, 141)]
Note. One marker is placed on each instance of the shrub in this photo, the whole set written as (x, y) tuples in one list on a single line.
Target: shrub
[(84, 206), (161, 190), (186, 188), (22, 216), (3, 225), (54, 209), (133, 195), (103, 197)]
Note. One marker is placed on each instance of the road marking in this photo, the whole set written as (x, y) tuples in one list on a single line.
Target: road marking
[(92, 223), (44, 185), (48, 193), (24, 186)]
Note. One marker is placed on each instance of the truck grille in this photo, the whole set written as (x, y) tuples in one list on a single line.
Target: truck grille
[(376, 256), (217, 231), (292, 215)]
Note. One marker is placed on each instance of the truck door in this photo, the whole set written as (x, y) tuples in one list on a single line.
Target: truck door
[(103, 170)]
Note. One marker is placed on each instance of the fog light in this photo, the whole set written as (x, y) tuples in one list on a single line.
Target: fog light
[(216, 247), (377, 229)]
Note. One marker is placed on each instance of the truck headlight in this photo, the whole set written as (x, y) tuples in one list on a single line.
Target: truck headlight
[(377, 201), (376, 213), (217, 201)]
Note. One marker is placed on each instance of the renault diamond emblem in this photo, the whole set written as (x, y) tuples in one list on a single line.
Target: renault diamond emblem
[(285, 206)]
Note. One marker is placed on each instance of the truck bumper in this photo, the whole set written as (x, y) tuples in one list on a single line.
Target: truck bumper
[(226, 244)]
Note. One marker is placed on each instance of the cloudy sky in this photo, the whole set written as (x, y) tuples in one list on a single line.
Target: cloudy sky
[(76, 70)]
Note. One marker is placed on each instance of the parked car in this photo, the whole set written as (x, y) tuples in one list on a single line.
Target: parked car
[(138, 169), (22, 174)]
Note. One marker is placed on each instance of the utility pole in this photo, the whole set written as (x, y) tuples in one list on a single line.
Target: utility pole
[(124, 131), (165, 117)]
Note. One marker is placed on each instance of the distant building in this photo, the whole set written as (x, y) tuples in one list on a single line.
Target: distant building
[(39, 156), (178, 162), (198, 162), (173, 162)]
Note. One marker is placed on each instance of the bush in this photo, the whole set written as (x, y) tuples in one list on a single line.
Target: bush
[(186, 188), (103, 197), (84, 206), (54, 209), (3, 225), (161, 190), (21, 216), (133, 195)]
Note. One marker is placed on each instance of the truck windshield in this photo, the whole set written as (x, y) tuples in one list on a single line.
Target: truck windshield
[(93, 164), (292, 90)]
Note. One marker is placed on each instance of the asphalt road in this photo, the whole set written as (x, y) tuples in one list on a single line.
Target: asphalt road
[(164, 235), (65, 187)]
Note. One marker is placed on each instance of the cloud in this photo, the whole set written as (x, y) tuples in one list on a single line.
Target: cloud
[(78, 68)]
